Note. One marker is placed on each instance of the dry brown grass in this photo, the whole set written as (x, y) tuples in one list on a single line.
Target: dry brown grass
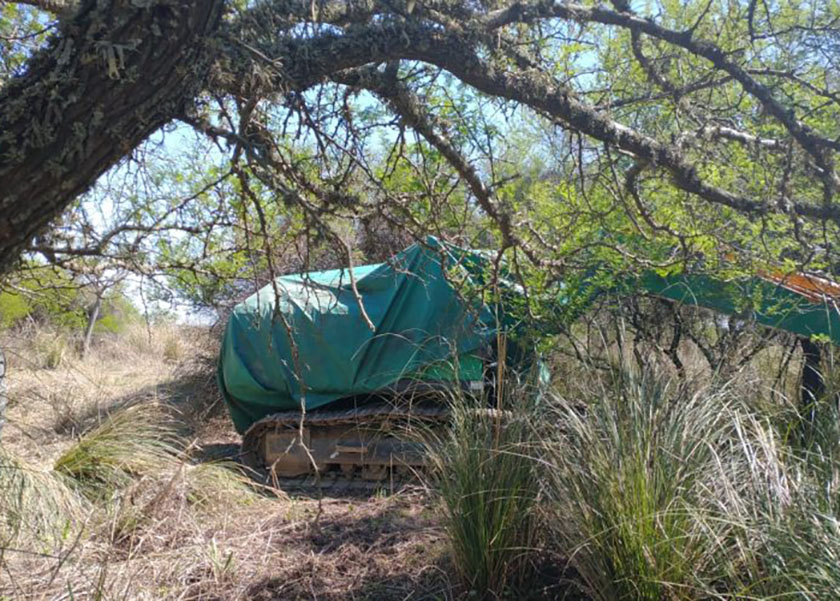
[(49, 407), (388, 548), (179, 528)]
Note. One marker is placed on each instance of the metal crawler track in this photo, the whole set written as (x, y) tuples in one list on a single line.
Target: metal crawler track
[(378, 445), (367, 413), (336, 485), (354, 447)]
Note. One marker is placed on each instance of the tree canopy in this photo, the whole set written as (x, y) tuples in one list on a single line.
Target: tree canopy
[(672, 134)]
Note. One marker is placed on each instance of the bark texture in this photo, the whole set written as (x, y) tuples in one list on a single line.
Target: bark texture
[(93, 316), (117, 71)]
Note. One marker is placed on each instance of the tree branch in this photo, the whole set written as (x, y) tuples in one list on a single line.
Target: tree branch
[(51, 6), (525, 12)]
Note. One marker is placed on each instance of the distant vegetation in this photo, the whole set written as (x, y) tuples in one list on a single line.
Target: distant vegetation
[(52, 297), (73, 310)]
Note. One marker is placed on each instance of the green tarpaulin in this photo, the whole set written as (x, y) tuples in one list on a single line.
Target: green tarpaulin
[(418, 317), (753, 298), (421, 323)]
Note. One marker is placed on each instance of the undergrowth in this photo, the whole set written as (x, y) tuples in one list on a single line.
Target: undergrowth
[(125, 484), (487, 483), (135, 442), (631, 473), (638, 487), (36, 505), (660, 492)]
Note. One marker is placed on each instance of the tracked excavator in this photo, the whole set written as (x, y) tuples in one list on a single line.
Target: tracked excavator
[(322, 371)]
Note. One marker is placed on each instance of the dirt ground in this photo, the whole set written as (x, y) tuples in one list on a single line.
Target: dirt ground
[(264, 545)]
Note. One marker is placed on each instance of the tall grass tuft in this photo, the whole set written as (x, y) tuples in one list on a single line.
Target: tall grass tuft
[(137, 441), (634, 479), (487, 484), (135, 468), (790, 545), (213, 485), (36, 507)]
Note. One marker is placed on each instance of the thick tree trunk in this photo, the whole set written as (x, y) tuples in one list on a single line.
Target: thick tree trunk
[(116, 71)]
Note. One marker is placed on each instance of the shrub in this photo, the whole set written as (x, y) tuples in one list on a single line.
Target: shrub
[(13, 309)]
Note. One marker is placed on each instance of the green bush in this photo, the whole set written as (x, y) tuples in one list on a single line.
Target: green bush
[(117, 313), (13, 309)]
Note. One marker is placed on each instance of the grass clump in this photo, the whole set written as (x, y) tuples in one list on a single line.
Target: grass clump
[(798, 555), (53, 349), (633, 476), (790, 548), (210, 485), (141, 474), (172, 349), (660, 493), (487, 485), (137, 441), (36, 506)]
